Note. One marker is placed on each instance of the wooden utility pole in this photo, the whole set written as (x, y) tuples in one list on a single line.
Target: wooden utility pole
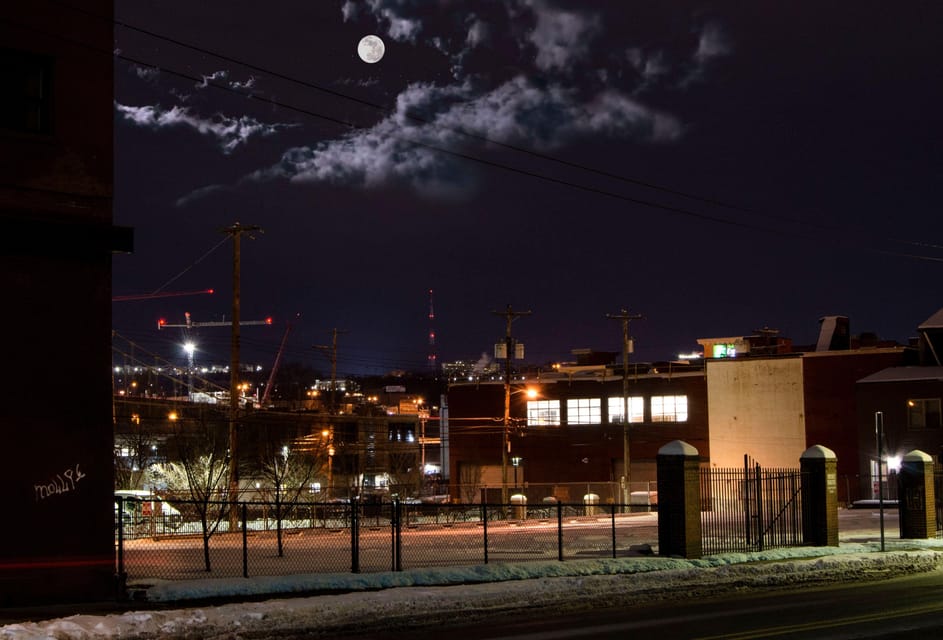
[(235, 232), (626, 318), (509, 346), (331, 352)]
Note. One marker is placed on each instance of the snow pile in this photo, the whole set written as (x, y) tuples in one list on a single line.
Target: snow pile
[(387, 600)]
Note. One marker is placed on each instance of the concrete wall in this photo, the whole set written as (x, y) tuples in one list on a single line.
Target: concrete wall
[(756, 407)]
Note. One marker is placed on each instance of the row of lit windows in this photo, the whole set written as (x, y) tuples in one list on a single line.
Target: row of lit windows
[(589, 410)]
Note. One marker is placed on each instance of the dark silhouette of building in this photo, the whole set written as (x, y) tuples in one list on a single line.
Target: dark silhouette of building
[(55, 273)]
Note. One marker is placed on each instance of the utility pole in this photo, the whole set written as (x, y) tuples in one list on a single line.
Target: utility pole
[(235, 232), (331, 352), (509, 348), (626, 318)]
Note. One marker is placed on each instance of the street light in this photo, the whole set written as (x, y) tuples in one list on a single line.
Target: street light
[(189, 348), (516, 462)]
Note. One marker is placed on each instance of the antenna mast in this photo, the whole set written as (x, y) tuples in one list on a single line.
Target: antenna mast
[(432, 355)]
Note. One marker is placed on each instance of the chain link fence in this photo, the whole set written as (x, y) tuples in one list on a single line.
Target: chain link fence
[(271, 539)]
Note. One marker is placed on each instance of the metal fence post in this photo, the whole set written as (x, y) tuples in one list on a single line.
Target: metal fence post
[(396, 521), (484, 527), (760, 525), (612, 508), (245, 542), (354, 538), (560, 531), (121, 577)]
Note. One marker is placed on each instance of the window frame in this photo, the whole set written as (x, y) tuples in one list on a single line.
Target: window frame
[(583, 411), (543, 413), (676, 415), (636, 409)]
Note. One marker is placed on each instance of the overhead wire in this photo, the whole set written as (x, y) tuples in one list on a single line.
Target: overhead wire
[(490, 141), (350, 125)]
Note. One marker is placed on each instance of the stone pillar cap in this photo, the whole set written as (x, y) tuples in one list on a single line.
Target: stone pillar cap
[(677, 448), (818, 452), (918, 456)]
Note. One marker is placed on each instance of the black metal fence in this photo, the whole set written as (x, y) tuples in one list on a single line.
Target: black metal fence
[(750, 509), (342, 537), (938, 498)]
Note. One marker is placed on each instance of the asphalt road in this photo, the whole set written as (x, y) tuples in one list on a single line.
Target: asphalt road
[(893, 608)]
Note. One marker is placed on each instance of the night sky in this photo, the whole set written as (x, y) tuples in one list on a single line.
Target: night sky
[(717, 167)]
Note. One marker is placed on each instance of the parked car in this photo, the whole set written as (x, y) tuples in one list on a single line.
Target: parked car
[(143, 508)]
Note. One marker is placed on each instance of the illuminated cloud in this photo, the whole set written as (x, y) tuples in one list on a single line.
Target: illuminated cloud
[(561, 37), (564, 82), (401, 148), (229, 132)]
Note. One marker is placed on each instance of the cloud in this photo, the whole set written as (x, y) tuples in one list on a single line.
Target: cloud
[(229, 132), (712, 44), (196, 194), (479, 33), (392, 15), (560, 81), (561, 37), (400, 148), (148, 74), (247, 84), (349, 10), (216, 75)]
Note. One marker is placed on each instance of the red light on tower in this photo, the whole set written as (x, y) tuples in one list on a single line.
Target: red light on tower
[(268, 320), (161, 322)]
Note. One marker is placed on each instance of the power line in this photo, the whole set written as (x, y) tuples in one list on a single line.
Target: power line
[(482, 138)]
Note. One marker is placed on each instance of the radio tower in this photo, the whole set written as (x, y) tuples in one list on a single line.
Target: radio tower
[(432, 357)]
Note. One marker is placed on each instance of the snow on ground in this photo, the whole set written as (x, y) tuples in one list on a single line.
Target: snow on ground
[(439, 594)]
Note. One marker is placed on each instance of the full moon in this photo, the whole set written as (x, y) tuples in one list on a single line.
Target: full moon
[(370, 49)]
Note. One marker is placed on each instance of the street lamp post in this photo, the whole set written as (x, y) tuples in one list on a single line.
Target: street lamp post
[(626, 318), (509, 349), (189, 348)]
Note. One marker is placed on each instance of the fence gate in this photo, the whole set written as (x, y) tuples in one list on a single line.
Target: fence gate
[(750, 509)]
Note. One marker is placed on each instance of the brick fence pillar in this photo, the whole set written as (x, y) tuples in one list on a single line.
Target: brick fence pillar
[(819, 467), (917, 496), (679, 501)]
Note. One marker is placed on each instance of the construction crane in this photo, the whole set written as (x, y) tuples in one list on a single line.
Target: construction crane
[(160, 294), (278, 360), (190, 324)]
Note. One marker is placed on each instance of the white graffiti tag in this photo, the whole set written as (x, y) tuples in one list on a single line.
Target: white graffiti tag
[(62, 483)]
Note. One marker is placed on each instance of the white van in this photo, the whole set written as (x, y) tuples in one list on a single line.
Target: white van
[(143, 507)]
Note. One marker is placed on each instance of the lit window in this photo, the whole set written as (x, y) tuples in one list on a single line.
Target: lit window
[(543, 412), (725, 351), (923, 414), (584, 411), (669, 408), (636, 409)]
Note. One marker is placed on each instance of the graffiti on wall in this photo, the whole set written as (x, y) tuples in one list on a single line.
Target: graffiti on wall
[(62, 483)]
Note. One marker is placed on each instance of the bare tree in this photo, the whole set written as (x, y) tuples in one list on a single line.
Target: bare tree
[(199, 467), (470, 481), (135, 452), (289, 466), (405, 474)]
